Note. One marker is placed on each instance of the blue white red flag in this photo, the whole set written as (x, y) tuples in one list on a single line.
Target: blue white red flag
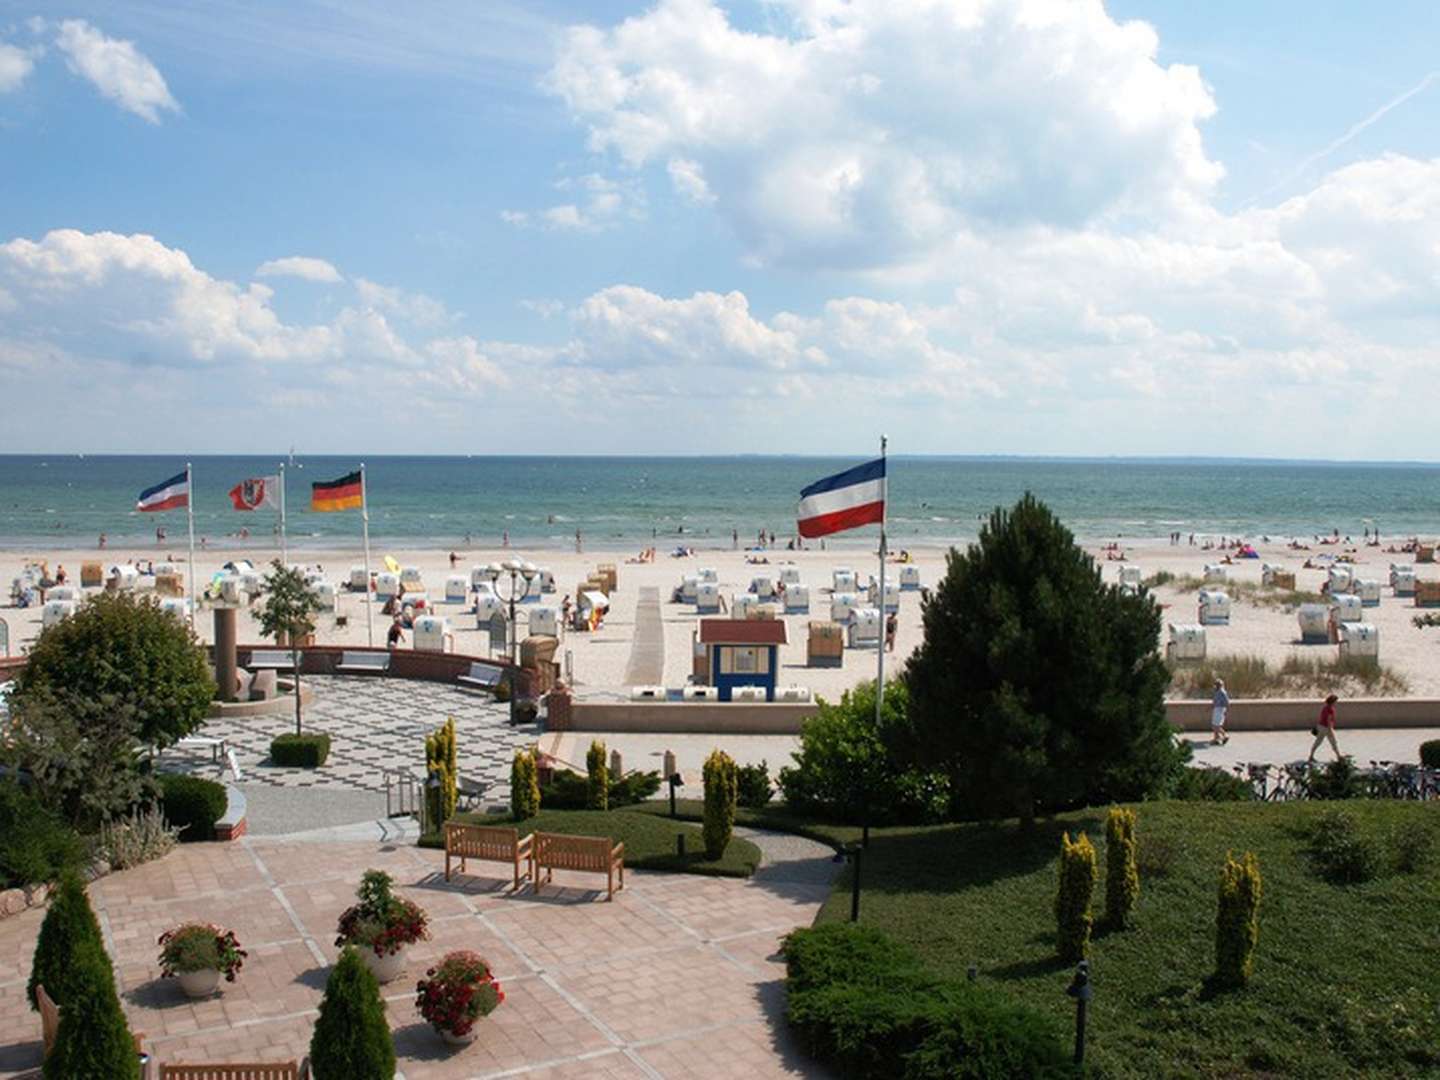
[(169, 495), (846, 500)]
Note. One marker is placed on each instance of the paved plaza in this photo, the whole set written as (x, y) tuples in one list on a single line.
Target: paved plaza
[(677, 977)]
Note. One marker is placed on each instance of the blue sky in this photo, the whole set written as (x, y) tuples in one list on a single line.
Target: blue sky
[(1033, 227)]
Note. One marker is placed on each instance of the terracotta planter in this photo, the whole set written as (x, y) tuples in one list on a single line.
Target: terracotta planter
[(199, 984), (384, 968), (459, 1040)]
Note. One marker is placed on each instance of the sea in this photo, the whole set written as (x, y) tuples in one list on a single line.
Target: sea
[(629, 503)]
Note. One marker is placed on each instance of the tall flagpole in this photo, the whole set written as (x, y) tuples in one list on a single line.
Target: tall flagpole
[(884, 512), (190, 517), (284, 550), (365, 525)]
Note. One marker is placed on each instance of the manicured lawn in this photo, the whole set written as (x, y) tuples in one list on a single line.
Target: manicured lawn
[(649, 841), (1346, 977), (771, 816)]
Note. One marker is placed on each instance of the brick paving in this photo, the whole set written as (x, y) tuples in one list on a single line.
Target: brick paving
[(677, 977)]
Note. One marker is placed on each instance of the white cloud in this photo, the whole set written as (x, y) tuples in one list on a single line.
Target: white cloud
[(689, 180), (300, 266), (602, 204), (867, 132), (119, 70), (414, 307), (15, 66)]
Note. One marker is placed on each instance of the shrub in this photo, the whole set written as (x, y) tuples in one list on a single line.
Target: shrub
[(524, 786), (69, 925), (1411, 844), (1338, 780), (1157, 855), (123, 646), (569, 790), (753, 785), (307, 751), (502, 691), (381, 920), (720, 794), (136, 838), (352, 1040), (597, 783), (1237, 923), (440, 762), (1430, 753), (36, 846), (192, 805), (1340, 852), (1201, 784), (93, 1040), (1038, 685), (846, 770), (1122, 879), (1072, 897), (863, 1004)]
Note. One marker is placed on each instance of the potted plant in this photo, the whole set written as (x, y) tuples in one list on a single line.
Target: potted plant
[(197, 954), (456, 993), (381, 925)]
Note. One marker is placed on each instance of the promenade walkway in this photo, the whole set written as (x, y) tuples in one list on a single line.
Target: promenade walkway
[(647, 651)]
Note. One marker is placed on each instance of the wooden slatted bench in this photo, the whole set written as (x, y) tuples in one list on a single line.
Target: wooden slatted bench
[(484, 676), (259, 1070), (490, 843), (373, 663), (273, 659), (594, 854)]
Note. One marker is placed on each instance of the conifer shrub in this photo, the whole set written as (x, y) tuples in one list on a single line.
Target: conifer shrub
[(192, 804), (69, 925), (597, 784), (1072, 899), (1122, 875), (753, 783), (524, 786), (1237, 924), (352, 1040), (307, 751), (93, 1040), (440, 761), (721, 792)]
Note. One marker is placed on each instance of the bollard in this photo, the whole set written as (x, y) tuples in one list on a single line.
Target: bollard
[(617, 765), (674, 779), (670, 768), (855, 853), (1081, 991)]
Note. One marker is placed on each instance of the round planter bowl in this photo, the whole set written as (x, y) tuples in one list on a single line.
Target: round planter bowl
[(199, 984), (384, 968), (459, 1040)]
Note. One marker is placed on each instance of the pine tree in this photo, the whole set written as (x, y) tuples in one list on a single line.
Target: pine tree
[(94, 1042), (722, 788), (352, 1040), (69, 924)]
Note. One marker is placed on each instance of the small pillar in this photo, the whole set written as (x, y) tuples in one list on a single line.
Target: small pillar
[(225, 665), (670, 769), (617, 764)]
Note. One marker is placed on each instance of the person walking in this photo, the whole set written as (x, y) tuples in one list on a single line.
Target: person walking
[(1325, 728), (1219, 712), (395, 636), (892, 624)]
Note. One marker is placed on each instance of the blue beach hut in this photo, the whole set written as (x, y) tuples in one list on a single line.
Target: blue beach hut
[(743, 652)]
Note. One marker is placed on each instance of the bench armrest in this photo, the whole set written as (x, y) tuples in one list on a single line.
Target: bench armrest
[(525, 845), (618, 851)]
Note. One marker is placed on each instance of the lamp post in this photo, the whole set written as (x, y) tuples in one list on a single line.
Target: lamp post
[(518, 571), (1081, 991)]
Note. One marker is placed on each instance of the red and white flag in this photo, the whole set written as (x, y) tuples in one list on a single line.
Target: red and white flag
[(256, 492), (168, 495), (846, 500)]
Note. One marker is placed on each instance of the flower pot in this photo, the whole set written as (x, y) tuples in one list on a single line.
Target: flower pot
[(384, 968), (459, 1040), (199, 984)]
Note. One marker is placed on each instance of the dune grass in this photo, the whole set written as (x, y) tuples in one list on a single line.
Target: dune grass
[(1249, 591), (1344, 980), (1250, 676)]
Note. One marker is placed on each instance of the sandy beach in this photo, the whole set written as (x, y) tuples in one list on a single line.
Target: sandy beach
[(600, 659)]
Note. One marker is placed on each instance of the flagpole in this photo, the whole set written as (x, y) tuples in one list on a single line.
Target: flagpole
[(284, 550), (365, 525), (190, 517), (884, 511)]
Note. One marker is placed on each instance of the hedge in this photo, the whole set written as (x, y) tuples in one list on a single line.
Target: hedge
[(193, 805), (307, 751)]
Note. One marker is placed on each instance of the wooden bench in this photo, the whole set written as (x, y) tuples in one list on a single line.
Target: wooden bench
[(274, 659), (374, 663), (485, 676), (490, 843), (258, 1070), (594, 854)]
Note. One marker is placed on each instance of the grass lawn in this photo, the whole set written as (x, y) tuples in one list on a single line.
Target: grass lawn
[(649, 841), (772, 816), (1346, 978)]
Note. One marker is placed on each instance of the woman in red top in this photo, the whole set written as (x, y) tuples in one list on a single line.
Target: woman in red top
[(1325, 727)]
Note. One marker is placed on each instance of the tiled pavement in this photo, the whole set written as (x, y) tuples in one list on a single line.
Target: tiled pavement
[(677, 977), (374, 723)]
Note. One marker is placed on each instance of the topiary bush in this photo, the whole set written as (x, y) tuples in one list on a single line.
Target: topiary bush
[(1341, 852), (440, 761), (36, 846), (69, 925), (597, 786), (1430, 753), (524, 786), (307, 751), (1122, 877), (720, 796), (865, 1005), (192, 804), (753, 785), (352, 1040), (1237, 923), (1072, 898), (93, 1040)]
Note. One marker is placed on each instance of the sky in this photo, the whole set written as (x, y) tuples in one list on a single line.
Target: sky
[(1030, 226)]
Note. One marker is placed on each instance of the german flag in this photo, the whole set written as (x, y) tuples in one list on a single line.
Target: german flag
[(342, 494)]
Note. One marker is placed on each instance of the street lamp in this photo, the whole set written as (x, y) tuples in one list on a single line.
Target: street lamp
[(517, 571)]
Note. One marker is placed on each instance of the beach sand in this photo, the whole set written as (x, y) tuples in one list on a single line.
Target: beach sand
[(600, 659)]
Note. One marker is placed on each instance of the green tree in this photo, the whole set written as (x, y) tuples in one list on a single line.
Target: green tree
[(524, 785), (721, 792), (69, 924), (597, 776), (1037, 685), (351, 1039), (1122, 877), (125, 648), (289, 609), (93, 1041)]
